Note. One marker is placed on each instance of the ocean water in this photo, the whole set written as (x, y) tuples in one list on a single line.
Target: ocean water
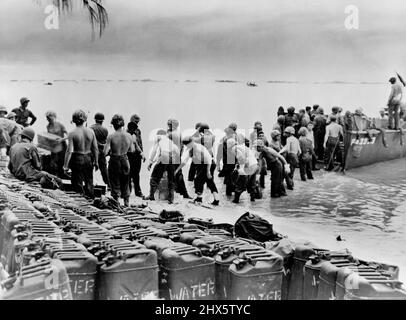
[(366, 206)]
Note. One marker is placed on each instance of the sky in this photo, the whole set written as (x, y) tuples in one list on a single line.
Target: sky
[(301, 40)]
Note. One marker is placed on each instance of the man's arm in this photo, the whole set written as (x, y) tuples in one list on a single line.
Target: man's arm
[(279, 156), (106, 148), (33, 118), (137, 147), (391, 95), (184, 161), (14, 135), (326, 136), (68, 153), (219, 153), (35, 159), (286, 147), (240, 157), (95, 150), (300, 149)]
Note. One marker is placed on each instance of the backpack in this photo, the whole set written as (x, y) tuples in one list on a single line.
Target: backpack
[(252, 226)]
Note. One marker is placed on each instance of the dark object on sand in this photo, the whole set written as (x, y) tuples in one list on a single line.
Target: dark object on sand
[(254, 227), (171, 215), (339, 238)]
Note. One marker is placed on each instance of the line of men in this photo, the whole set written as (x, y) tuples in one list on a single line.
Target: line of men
[(87, 149), (239, 160)]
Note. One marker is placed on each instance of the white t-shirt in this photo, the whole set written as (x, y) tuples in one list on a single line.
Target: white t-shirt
[(247, 160)]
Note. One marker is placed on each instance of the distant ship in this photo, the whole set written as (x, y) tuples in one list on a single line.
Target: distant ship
[(48, 84), (252, 84)]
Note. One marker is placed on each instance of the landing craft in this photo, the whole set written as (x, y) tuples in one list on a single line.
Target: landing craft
[(252, 84)]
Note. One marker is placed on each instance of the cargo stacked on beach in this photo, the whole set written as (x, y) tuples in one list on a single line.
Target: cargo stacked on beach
[(57, 245)]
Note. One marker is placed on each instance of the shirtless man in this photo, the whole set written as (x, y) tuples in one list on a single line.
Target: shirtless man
[(393, 104), (82, 155), (118, 144), (331, 139)]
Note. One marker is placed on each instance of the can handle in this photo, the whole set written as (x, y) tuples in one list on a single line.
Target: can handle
[(393, 283), (184, 251)]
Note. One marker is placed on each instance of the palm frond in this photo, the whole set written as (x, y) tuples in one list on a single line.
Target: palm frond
[(98, 16)]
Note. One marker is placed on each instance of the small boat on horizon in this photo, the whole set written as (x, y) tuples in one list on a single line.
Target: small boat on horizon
[(251, 84)]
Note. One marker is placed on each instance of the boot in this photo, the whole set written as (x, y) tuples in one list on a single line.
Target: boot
[(198, 200), (215, 202), (252, 197), (186, 196), (237, 197), (126, 202)]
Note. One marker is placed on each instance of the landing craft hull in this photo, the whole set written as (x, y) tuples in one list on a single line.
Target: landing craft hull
[(362, 152)]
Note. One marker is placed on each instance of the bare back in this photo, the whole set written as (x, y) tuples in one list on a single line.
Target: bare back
[(120, 143), (82, 139)]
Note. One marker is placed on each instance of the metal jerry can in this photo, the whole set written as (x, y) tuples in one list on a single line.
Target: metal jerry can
[(355, 283), (43, 280), (160, 244), (189, 236), (256, 276), (16, 239), (209, 245), (301, 255), (313, 266), (186, 274), (130, 274), (81, 268), (229, 251), (328, 277), (8, 222)]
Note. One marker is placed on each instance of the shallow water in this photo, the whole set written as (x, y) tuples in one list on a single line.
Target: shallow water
[(367, 211)]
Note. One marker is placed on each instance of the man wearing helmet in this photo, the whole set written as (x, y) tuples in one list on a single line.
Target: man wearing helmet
[(293, 151), (118, 145), (137, 157), (23, 113), (25, 163), (278, 166), (101, 134), (82, 155)]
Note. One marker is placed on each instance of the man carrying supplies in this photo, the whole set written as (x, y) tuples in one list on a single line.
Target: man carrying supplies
[(205, 167), (166, 156), (247, 166), (278, 166), (25, 163)]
